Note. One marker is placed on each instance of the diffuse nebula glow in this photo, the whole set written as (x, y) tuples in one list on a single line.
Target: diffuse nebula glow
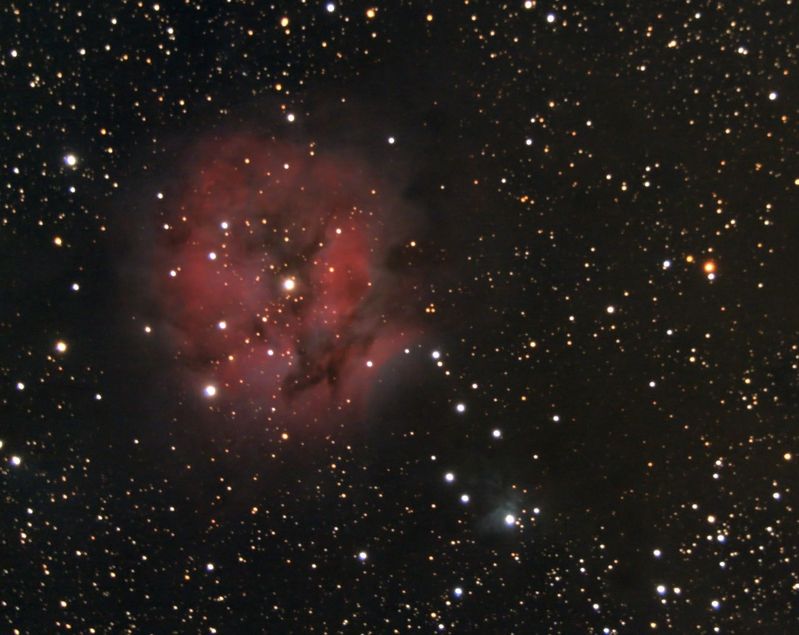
[(284, 276)]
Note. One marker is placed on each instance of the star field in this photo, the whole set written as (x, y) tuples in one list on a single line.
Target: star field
[(424, 317)]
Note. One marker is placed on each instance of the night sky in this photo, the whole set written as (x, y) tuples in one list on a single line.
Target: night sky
[(435, 317)]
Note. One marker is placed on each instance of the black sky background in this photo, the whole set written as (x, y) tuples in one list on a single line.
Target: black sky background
[(615, 477)]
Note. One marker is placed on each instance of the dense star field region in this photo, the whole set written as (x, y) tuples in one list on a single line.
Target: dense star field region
[(399, 317)]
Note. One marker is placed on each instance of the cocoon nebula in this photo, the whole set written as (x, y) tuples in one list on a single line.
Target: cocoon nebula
[(284, 276)]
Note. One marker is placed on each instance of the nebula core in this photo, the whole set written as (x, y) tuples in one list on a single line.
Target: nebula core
[(285, 277)]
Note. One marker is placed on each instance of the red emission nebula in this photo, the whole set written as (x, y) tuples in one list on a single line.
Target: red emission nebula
[(283, 276)]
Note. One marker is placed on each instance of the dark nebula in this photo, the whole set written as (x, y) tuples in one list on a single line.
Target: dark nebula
[(283, 275)]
